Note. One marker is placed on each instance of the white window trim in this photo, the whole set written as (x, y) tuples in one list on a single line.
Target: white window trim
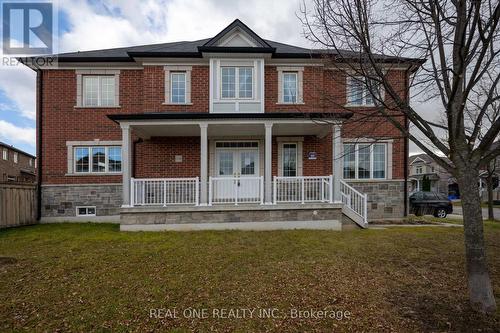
[(295, 140), (388, 160), (79, 86), (16, 157), (348, 87), (71, 145), (296, 87), (168, 88), (237, 84), (300, 84), (172, 87), (5, 154), (86, 207)]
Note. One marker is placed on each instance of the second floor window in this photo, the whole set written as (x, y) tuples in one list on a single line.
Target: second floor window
[(419, 170), (15, 157), (5, 154), (99, 90), (290, 87), (237, 82), (97, 159), (178, 87), (359, 93)]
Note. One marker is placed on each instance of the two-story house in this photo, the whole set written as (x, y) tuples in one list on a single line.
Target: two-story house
[(225, 132), (422, 167), (16, 165)]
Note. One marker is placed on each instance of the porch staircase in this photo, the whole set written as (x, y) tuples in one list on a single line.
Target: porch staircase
[(355, 204)]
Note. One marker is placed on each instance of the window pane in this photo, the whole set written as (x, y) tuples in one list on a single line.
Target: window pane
[(290, 87), (178, 82), (379, 161), (91, 211), (248, 162), (90, 90), (228, 76), (98, 159), (82, 159), (356, 91), (289, 160), (115, 159), (107, 90), (349, 161), (225, 163), (82, 211), (363, 161), (245, 82)]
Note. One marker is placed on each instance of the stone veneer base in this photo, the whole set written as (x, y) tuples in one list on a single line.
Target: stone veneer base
[(60, 201), (385, 198)]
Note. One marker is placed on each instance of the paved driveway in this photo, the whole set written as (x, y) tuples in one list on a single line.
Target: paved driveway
[(457, 210)]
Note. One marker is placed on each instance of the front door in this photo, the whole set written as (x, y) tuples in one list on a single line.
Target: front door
[(240, 165)]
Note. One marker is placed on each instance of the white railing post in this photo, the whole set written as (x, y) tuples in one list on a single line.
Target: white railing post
[(197, 191), (275, 190), (330, 188), (365, 203), (303, 190), (261, 190), (210, 191), (165, 193), (235, 185), (132, 190)]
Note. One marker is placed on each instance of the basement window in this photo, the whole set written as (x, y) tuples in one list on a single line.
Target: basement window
[(85, 211)]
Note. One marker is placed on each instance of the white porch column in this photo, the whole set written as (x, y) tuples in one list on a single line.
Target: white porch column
[(338, 161), (268, 175), (127, 163), (203, 164)]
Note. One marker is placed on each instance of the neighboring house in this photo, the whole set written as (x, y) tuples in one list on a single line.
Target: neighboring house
[(16, 165), (220, 130), (422, 165)]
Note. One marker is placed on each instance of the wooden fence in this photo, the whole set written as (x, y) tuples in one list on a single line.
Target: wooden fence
[(17, 204)]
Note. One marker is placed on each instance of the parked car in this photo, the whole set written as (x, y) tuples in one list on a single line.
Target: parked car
[(427, 203)]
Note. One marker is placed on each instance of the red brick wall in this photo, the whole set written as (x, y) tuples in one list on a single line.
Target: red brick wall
[(154, 90), (143, 91), (10, 169), (155, 158)]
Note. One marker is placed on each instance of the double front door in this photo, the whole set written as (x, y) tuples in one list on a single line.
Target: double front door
[(237, 172)]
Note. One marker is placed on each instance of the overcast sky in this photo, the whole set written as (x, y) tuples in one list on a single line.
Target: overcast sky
[(87, 25)]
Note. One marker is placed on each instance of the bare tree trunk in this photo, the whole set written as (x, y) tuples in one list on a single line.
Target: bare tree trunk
[(479, 282), (491, 214)]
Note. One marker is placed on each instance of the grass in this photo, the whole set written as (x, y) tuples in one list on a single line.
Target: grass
[(85, 277)]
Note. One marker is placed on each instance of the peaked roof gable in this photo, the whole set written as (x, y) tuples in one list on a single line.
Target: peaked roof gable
[(242, 32)]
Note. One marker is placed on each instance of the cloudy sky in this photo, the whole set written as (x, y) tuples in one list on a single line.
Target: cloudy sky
[(87, 25)]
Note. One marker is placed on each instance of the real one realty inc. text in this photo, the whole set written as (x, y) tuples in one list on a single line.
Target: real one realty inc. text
[(247, 313)]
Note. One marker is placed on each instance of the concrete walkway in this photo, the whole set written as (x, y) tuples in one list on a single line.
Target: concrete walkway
[(457, 211), (385, 226)]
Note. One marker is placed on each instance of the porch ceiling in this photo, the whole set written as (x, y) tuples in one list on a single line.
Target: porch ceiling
[(232, 129)]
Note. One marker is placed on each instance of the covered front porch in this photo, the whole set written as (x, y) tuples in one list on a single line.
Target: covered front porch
[(267, 163)]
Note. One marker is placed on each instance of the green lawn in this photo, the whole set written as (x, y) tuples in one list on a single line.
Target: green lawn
[(84, 277)]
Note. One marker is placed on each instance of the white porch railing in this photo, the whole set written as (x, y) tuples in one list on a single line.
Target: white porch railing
[(303, 189), (164, 191), (236, 190), (356, 201)]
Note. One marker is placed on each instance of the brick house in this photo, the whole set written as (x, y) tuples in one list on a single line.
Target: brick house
[(16, 165), (215, 133)]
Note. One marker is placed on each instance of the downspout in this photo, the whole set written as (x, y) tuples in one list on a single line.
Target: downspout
[(39, 108), (406, 147)]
